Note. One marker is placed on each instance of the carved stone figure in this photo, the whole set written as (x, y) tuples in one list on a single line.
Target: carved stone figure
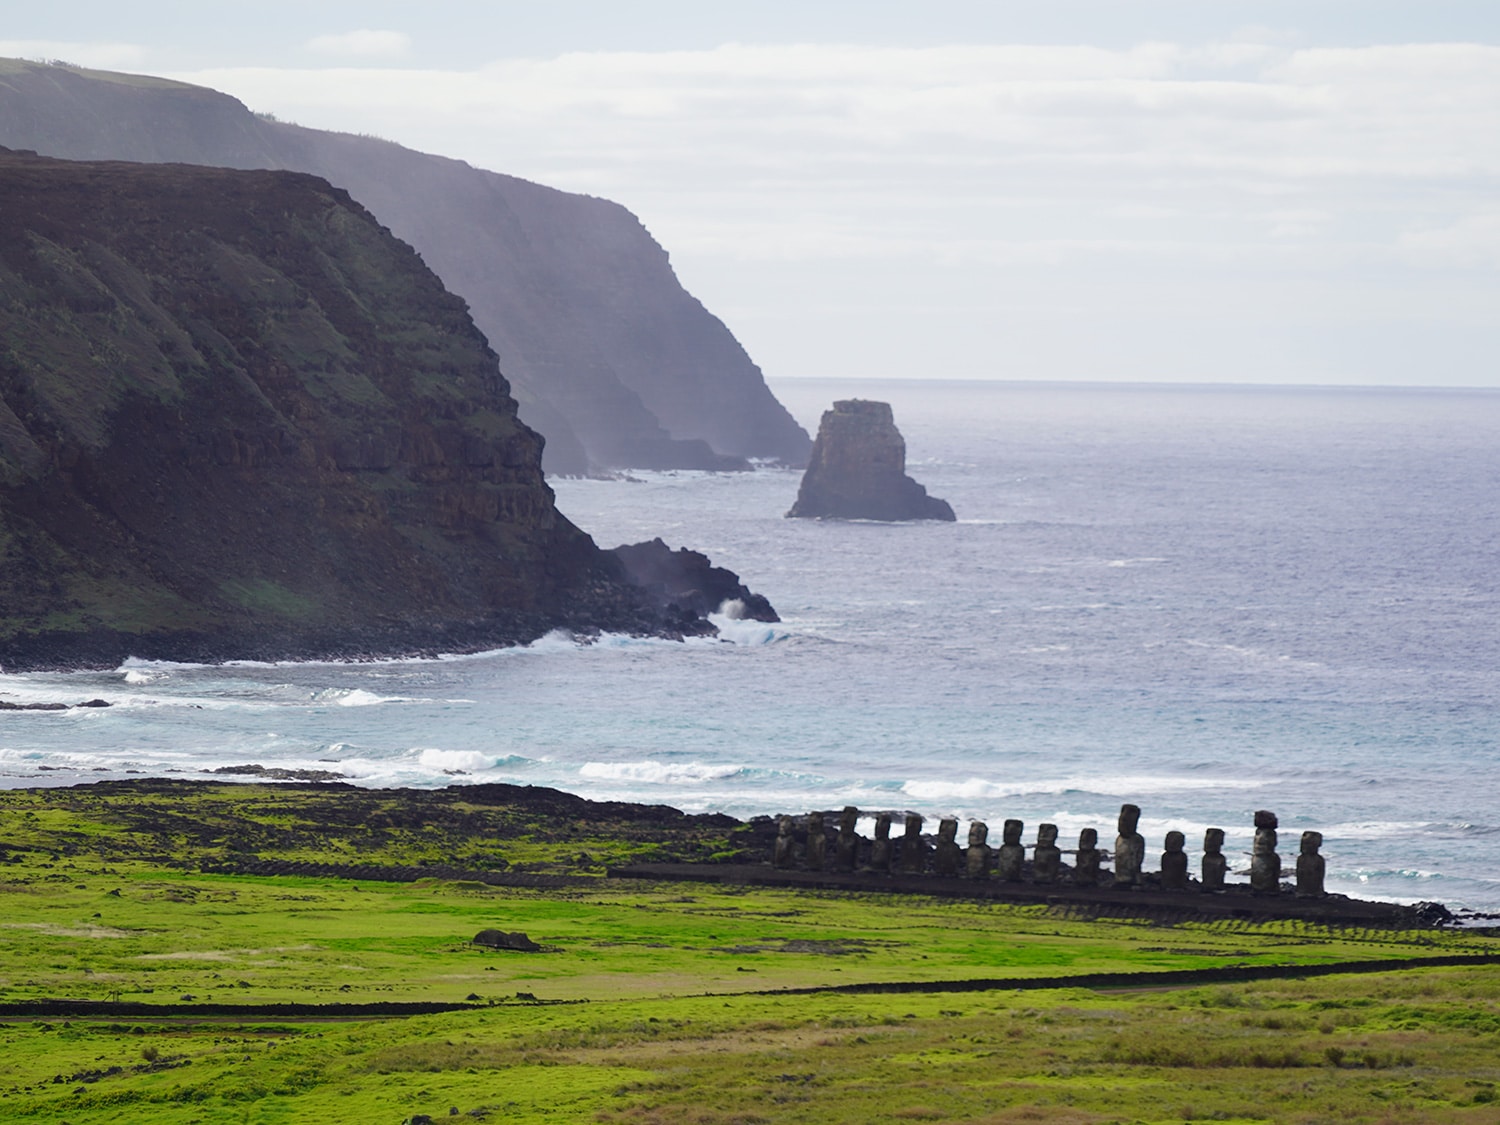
[(1012, 856), (913, 849), (1130, 848), (1310, 866), (1046, 857), (1174, 863), (1215, 866), (947, 854), (781, 855), (880, 850), (979, 850), (1086, 869), (817, 842), (1265, 864), (847, 852)]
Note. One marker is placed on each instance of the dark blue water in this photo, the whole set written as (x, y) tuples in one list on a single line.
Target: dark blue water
[(1204, 601)]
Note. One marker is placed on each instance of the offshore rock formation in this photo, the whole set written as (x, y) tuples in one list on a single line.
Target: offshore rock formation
[(608, 356), (686, 580), (239, 419), (858, 470)]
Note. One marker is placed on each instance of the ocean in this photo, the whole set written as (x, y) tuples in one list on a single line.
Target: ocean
[(1201, 600)]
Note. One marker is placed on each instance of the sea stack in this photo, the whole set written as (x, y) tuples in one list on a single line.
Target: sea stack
[(857, 470)]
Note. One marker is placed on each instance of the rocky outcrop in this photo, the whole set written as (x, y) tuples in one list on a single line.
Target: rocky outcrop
[(858, 470), (239, 419), (608, 356), (687, 581)]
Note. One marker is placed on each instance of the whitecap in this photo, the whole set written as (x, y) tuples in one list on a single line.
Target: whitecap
[(450, 761), (658, 773)]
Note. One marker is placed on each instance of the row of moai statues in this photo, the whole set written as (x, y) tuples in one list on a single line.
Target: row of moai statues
[(945, 858)]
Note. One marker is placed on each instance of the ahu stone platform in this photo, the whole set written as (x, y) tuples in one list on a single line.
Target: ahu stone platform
[(821, 851)]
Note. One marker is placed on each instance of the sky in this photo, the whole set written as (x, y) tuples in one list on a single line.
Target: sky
[(1142, 190)]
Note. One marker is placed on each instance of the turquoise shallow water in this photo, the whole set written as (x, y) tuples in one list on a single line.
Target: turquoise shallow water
[(1205, 601)]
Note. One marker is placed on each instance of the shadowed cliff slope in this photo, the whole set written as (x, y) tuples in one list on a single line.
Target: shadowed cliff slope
[(609, 357), (239, 418)]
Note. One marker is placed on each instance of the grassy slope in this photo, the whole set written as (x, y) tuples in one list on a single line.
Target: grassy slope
[(673, 1013)]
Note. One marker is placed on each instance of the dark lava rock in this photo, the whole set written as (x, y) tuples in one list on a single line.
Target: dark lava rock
[(686, 580), (857, 470), (278, 773), (500, 939)]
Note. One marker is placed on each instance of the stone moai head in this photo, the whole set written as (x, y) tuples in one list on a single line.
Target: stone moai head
[(1265, 832), (1213, 841), (883, 826), (814, 823), (1130, 816), (948, 829), (913, 824), (847, 820), (1088, 839), (1012, 831), (1175, 841), (1311, 842), (1046, 835), (979, 832), (784, 826)]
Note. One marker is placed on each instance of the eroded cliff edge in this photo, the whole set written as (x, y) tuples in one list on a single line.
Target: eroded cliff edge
[(608, 355), (238, 418)]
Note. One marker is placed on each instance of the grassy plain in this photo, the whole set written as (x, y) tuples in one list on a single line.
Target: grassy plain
[(659, 1003)]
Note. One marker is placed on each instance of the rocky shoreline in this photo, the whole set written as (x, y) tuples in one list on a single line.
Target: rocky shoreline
[(558, 840)]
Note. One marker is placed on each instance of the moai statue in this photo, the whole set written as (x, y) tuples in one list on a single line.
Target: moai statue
[(1046, 857), (913, 850), (979, 850), (880, 850), (817, 842), (1130, 848), (946, 855), (1265, 864), (1086, 869), (1310, 866), (1174, 863), (781, 855), (1012, 855), (847, 852), (1215, 866)]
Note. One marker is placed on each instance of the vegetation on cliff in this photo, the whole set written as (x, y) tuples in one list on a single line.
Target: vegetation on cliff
[(239, 418)]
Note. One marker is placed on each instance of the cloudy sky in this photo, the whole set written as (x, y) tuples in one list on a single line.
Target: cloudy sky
[(1156, 190)]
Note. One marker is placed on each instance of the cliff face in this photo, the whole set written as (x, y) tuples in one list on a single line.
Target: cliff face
[(858, 470), (609, 357), (239, 418)]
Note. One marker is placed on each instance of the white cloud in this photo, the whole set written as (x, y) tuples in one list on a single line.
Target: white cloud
[(364, 43), (1211, 176), (98, 56)]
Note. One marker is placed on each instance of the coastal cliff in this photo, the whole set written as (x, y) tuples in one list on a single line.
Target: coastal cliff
[(239, 419), (857, 470), (608, 356)]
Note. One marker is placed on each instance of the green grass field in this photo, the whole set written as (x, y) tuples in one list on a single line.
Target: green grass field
[(665, 1003)]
